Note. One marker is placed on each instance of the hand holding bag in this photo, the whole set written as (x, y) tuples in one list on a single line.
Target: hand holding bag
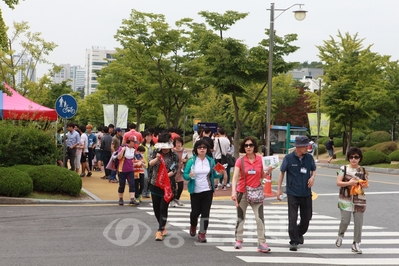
[(253, 194)]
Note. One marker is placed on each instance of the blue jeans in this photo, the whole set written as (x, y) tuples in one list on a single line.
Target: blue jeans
[(146, 190), (113, 175)]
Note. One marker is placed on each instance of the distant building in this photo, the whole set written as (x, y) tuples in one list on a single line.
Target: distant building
[(74, 75), (300, 73), (28, 71), (96, 59)]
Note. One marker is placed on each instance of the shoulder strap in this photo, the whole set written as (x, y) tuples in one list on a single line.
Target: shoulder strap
[(220, 148), (344, 170), (242, 169)]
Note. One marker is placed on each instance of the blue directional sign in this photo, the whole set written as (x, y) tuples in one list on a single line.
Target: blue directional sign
[(66, 106)]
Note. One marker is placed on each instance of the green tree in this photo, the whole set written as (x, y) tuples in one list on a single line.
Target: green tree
[(32, 45), (163, 59), (3, 34), (11, 3), (353, 82), (241, 72)]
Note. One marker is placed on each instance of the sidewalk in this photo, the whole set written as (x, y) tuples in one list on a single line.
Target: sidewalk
[(102, 190)]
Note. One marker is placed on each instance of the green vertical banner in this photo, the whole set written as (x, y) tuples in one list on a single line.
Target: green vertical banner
[(312, 117), (324, 125), (287, 138)]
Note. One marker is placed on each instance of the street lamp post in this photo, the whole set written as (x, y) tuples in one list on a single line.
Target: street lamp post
[(299, 15)]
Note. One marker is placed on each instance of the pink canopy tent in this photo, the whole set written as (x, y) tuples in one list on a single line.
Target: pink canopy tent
[(17, 107)]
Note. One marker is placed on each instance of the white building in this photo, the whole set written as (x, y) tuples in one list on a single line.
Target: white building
[(27, 71), (75, 75), (96, 59), (300, 73)]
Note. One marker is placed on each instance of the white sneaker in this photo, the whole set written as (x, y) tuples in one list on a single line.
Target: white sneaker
[(219, 185), (338, 243), (178, 203), (228, 185), (172, 204), (356, 248)]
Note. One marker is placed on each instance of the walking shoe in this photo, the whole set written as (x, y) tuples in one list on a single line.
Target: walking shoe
[(164, 232), (228, 185), (263, 248), (158, 236), (104, 177), (172, 204), (193, 229), (89, 174), (178, 202), (201, 237), (113, 181), (301, 240), (224, 188), (133, 202), (356, 248), (238, 244), (294, 247), (120, 202), (219, 185), (139, 199), (147, 196), (338, 243)]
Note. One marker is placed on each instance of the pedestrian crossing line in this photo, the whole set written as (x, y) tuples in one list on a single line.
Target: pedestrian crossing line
[(269, 233), (268, 228), (379, 241), (315, 251), (319, 261)]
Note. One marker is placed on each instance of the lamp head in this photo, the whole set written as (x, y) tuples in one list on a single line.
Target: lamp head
[(300, 14)]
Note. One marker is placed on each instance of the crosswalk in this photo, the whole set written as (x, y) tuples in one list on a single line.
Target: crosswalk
[(379, 247)]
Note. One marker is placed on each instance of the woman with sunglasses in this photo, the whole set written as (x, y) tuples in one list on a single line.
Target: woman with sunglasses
[(348, 176), (254, 172), (200, 174)]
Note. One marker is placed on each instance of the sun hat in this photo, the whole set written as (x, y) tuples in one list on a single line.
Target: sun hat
[(301, 141)]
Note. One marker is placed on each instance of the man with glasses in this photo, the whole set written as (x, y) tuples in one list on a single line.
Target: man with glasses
[(301, 171)]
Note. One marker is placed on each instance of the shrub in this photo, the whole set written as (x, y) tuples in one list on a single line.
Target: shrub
[(322, 148), (378, 136), (385, 147), (52, 178), (26, 144), (22, 167), (358, 136), (14, 183), (394, 156), (374, 157)]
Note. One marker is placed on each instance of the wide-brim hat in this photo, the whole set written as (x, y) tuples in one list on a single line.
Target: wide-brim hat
[(164, 145), (301, 141)]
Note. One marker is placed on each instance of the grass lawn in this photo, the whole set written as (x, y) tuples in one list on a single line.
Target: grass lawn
[(44, 195)]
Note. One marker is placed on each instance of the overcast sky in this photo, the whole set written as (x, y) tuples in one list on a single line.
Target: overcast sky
[(77, 25)]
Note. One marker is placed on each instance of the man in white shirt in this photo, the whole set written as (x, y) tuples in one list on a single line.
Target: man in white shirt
[(221, 145)]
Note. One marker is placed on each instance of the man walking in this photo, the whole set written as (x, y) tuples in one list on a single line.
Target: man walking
[(73, 140), (106, 151), (330, 149), (301, 171)]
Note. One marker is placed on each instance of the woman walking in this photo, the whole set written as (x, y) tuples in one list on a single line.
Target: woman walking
[(351, 179), (183, 157), (248, 172), (148, 144), (126, 171), (164, 163), (200, 174)]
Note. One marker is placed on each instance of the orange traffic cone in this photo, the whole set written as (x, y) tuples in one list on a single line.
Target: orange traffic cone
[(267, 189)]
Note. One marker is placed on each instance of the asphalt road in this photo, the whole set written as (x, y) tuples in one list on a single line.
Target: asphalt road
[(112, 235)]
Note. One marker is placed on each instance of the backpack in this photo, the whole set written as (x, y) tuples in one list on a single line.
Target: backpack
[(310, 148), (328, 145)]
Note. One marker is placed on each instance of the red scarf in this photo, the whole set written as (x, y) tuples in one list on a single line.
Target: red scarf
[(163, 181)]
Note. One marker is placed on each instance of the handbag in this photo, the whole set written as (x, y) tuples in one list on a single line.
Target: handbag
[(253, 194), (228, 158)]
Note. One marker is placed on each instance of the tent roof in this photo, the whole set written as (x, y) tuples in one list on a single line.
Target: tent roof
[(20, 108)]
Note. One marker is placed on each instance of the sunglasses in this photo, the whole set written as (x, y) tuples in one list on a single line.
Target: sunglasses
[(249, 145), (354, 157), (201, 147)]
